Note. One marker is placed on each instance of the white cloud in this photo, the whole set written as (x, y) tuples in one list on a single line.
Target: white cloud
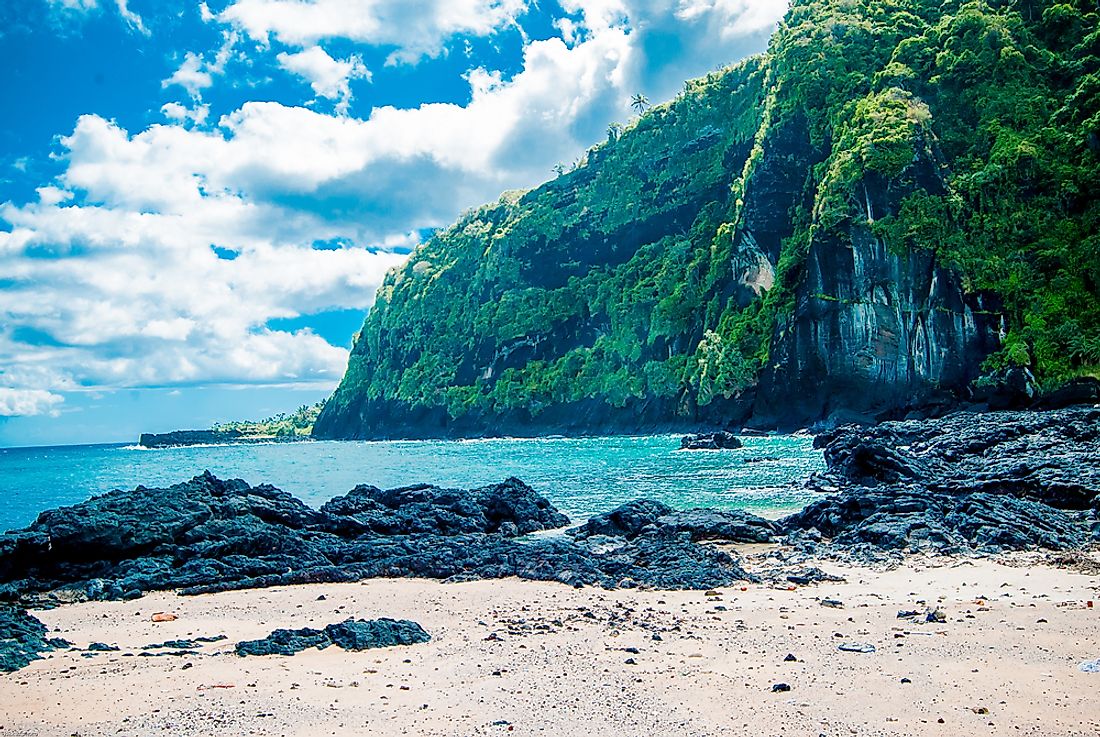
[(183, 114), (77, 8), (160, 258), (191, 75), (330, 78), (126, 289), (82, 6), (27, 402), (195, 73), (417, 28), (132, 19)]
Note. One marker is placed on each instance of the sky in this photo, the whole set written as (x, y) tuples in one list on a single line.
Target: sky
[(199, 200)]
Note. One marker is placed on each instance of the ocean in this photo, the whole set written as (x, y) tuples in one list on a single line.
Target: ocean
[(581, 476)]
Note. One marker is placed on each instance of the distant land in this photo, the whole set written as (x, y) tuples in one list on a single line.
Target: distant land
[(281, 428)]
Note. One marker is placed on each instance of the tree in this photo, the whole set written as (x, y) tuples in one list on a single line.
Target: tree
[(614, 130), (640, 103)]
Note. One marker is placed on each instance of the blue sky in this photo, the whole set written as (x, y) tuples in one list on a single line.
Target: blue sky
[(198, 200)]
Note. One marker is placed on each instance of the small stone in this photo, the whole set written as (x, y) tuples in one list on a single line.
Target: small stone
[(780, 687), (856, 647), (790, 658)]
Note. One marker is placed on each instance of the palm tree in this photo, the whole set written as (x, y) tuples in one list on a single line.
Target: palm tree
[(559, 169), (639, 102), (614, 131)]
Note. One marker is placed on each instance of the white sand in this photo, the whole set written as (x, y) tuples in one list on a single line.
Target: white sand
[(559, 667)]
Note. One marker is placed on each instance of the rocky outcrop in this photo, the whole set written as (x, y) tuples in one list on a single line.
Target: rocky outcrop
[(351, 634), (648, 518), (23, 639), (182, 438), (511, 508), (188, 437), (211, 535), (968, 482), (711, 441)]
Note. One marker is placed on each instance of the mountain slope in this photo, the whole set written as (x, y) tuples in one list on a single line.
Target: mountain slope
[(896, 198)]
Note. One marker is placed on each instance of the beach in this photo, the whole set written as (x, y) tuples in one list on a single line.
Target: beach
[(524, 658)]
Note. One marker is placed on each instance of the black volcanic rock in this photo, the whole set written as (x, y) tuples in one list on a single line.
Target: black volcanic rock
[(22, 639), (178, 438), (966, 482), (512, 507), (646, 517), (213, 535), (727, 525), (351, 634), (711, 441), (627, 520)]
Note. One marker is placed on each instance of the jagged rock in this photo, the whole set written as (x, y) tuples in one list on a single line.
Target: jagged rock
[(627, 520), (711, 441), (512, 508), (212, 535), (351, 634), (649, 517), (361, 634), (728, 525), (23, 639), (968, 481)]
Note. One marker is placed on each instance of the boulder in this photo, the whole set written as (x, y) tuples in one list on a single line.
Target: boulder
[(721, 440), (351, 634)]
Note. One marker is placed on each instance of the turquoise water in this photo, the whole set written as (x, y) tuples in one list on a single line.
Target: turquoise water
[(582, 476)]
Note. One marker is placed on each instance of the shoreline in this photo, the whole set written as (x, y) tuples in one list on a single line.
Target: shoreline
[(911, 571), (524, 657)]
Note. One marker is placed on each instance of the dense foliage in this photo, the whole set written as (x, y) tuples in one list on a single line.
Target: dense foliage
[(300, 422), (623, 279)]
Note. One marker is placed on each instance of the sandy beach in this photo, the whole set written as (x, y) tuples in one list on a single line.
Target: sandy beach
[(520, 657)]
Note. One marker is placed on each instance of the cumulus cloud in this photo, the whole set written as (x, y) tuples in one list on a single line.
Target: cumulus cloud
[(417, 28), (330, 78), (161, 257), (196, 73), (169, 278), (181, 113), (27, 402)]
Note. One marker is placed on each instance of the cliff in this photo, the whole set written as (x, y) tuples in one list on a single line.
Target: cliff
[(894, 201)]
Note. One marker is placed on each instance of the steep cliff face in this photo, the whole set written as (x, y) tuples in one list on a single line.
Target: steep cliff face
[(874, 333), (895, 199)]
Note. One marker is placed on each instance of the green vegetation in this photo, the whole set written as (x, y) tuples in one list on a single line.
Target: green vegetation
[(299, 423), (664, 266)]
